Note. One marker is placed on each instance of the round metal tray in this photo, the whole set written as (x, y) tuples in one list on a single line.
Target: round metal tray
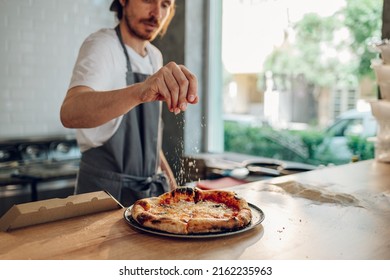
[(257, 217)]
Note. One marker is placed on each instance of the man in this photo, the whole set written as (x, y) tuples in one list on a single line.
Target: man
[(114, 101)]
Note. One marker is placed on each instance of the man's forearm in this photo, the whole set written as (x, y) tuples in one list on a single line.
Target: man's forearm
[(86, 108)]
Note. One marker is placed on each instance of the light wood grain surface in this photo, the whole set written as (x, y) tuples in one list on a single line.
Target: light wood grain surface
[(334, 213)]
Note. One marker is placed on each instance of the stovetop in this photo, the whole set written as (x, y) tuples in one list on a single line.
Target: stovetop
[(47, 170), (39, 158)]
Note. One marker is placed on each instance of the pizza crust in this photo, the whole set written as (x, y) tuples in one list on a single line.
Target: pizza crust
[(193, 211)]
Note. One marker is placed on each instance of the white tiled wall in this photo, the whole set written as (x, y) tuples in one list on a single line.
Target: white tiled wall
[(39, 42)]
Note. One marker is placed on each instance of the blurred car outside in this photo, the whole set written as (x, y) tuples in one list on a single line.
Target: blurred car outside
[(353, 123)]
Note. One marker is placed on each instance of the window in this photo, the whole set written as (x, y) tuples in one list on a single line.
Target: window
[(290, 69)]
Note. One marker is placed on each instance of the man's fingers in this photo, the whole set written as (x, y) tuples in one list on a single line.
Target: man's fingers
[(172, 86), (175, 85), (183, 84), (192, 90), (163, 92)]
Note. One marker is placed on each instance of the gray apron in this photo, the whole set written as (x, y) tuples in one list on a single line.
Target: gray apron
[(126, 165)]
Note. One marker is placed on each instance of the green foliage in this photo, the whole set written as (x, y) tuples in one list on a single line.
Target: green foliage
[(363, 19), (361, 147), (320, 44), (298, 146), (311, 138), (267, 142)]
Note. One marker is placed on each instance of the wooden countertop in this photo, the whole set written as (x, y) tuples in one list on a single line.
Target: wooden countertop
[(335, 213)]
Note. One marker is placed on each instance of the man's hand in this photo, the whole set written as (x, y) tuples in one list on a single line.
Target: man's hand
[(173, 84), (85, 108)]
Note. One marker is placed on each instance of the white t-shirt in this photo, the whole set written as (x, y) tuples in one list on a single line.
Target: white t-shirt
[(101, 65)]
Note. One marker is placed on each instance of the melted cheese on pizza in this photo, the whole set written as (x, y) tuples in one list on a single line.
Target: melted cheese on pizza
[(185, 210), (192, 211)]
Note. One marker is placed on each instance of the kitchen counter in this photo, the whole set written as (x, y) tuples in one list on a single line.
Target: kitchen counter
[(340, 212)]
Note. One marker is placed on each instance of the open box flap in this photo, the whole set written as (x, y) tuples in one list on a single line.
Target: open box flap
[(44, 211)]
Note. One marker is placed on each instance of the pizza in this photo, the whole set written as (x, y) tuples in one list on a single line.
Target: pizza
[(188, 210)]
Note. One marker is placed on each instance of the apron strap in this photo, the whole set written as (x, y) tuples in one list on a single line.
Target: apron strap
[(129, 76)]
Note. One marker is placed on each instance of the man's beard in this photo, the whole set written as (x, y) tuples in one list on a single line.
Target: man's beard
[(148, 36)]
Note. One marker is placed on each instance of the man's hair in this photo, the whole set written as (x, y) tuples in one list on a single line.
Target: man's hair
[(119, 15)]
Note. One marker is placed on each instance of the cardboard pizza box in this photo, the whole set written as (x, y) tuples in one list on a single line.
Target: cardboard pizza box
[(44, 211)]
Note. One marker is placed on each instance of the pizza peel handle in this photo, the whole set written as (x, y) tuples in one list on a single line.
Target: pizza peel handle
[(114, 199)]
